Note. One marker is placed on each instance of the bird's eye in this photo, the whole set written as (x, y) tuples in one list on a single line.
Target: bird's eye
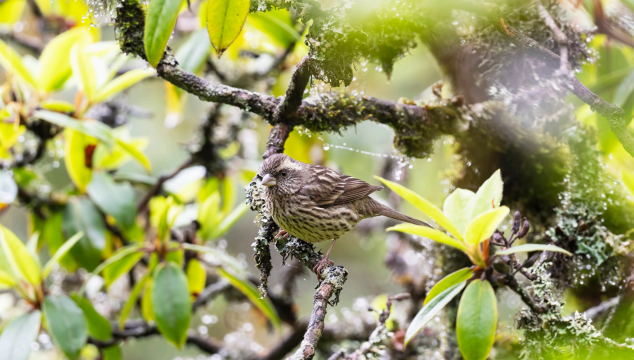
[(283, 173)]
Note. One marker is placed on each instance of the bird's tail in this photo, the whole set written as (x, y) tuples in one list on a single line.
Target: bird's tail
[(386, 211)]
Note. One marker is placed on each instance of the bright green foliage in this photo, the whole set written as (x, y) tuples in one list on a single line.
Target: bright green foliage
[(159, 24), (431, 309), (477, 320)]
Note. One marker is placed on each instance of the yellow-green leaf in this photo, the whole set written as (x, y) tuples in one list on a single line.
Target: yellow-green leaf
[(225, 19), (54, 66), (19, 257), (483, 226), (447, 282), (532, 247), (76, 157), (209, 216), (6, 280), (488, 196), (12, 62), (196, 277), (84, 71), (477, 320), (429, 233), (455, 208), (92, 128), (131, 149), (159, 24), (123, 82), (147, 310), (423, 205), (628, 180), (58, 106), (252, 292), (228, 221)]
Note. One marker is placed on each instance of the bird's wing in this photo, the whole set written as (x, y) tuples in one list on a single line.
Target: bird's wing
[(327, 187)]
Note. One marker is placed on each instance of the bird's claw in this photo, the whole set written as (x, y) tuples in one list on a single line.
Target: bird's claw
[(321, 265), (282, 233)]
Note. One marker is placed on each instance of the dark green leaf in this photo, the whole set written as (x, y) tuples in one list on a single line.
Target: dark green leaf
[(66, 323), (81, 215), (171, 303), (16, 339), (113, 198), (477, 320), (98, 326)]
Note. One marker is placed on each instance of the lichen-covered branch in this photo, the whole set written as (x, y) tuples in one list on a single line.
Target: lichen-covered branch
[(614, 114)]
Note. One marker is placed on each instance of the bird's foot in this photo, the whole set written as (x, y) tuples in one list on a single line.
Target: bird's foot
[(321, 265), (283, 234)]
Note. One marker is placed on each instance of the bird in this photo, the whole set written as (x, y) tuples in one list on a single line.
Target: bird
[(315, 203)]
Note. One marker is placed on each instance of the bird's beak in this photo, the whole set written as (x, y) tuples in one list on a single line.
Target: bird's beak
[(268, 180)]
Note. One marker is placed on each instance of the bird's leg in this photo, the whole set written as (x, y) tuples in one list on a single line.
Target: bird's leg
[(283, 234), (324, 261)]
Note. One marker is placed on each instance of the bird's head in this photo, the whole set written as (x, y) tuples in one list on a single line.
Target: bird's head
[(282, 174)]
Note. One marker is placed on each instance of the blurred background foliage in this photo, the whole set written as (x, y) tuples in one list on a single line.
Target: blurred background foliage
[(162, 122)]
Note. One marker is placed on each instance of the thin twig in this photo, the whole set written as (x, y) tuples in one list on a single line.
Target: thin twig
[(560, 37), (156, 189)]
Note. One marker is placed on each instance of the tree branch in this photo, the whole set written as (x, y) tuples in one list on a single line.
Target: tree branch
[(614, 114)]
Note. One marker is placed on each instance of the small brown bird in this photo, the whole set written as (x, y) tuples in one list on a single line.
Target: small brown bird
[(315, 203)]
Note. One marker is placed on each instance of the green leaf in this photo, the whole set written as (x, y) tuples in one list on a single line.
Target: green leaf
[(253, 294), (17, 255), (84, 70), (63, 250), (429, 233), (228, 221), (123, 252), (54, 65), (228, 195), (477, 320), (115, 199), (159, 24), (80, 215), (488, 196), (66, 323), (16, 338), (171, 303), (123, 82), (12, 62), (196, 277), (447, 282), (277, 24), (423, 205), (624, 90), (225, 19), (131, 149), (51, 233), (455, 208), (92, 128), (147, 310), (77, 156), (191, 56), (532, 247), (483, 226), (57, 106), (431, 309), (132, 300), (98, 326), (112, 353), (122, 266)]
